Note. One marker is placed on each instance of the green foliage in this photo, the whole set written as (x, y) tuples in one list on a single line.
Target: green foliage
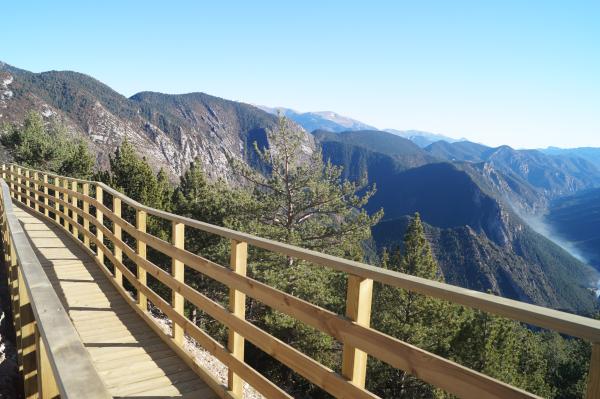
[(215, 203), (134, 176), (542, 363), (43, 147), (307, 203), (417, 319)]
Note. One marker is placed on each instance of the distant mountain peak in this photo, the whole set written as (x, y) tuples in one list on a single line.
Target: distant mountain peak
[(421, 138), (319, 120)]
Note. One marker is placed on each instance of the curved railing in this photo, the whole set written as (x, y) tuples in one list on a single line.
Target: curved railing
[(51, 357), (68, 203)]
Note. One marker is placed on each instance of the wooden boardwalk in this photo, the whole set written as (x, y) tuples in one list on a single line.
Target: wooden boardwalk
[(130, 358)]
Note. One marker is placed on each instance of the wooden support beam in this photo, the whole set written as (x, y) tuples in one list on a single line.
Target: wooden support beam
[(85, 188), (36, 187), (11, 179), (27, 192), (100, 218), (65, 198), (56, 197), (140, 249), (177, 270), (16, 307), (593, 383), (46, 201), (19, 189), (117, 233), (45, 379), (28, 349), (237, 306), (74, 215), (358, 309)]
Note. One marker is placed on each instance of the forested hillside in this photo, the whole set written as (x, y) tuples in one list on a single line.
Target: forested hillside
[(576, 219), (479, 241), (553, 175), (169, 130)]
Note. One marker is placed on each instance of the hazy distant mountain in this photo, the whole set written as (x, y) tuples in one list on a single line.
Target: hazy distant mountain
[(479, 241), (354, 149), (576, 219), (323, 120), (169, 130), (554, 175), (420, 138), (590, 154)]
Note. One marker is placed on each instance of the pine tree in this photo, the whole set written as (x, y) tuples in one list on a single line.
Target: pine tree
[(214, 203), (47, 147), (417, 319), (78, 162), (302, 200)]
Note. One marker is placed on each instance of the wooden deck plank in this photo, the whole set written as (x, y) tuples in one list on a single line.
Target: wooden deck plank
[(131, 358)]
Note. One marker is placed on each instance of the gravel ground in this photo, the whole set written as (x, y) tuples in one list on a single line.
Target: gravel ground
[(213, 365)]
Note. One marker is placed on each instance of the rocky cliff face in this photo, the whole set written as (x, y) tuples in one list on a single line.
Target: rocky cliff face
[(169, 130)]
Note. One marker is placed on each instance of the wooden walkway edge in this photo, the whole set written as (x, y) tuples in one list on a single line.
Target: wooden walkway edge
[(130, 358)]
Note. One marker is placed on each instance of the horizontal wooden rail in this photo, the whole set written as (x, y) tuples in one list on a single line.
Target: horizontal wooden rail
[(352, 330), (53, 358)]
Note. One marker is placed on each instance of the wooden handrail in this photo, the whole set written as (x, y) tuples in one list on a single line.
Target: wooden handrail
[(352, 330), (53, 357)]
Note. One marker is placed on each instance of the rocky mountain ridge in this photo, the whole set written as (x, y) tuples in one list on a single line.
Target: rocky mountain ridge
[(169, 130)]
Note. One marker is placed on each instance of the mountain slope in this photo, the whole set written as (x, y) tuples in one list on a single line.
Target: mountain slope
[(420, 138), (576, 218), (553, 175), (470, 259), (353, 149), (170, 130), (590, 154), (480, 242)]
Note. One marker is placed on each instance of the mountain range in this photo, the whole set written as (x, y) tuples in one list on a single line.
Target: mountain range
[(474, 199), (334, 122), (170, 130), (479, 239)]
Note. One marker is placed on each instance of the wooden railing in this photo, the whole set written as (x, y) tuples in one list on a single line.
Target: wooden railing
[(68, 203), (51, 357)]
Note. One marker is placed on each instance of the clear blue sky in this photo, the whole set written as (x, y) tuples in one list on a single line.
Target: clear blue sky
[(524, 73)]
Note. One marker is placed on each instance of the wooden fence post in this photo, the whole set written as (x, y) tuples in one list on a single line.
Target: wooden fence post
[(16, 306), (177, 270), (237, 306), (85, 189), (593, 383), (118, 236), (12, 179), (358, 309), (36, 188), (100, 218), (46, 201), (140, 249), (74, 214), (28, 349), (19, 189), (65, 199), (45, 381), (27, 192), (56, 198)]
